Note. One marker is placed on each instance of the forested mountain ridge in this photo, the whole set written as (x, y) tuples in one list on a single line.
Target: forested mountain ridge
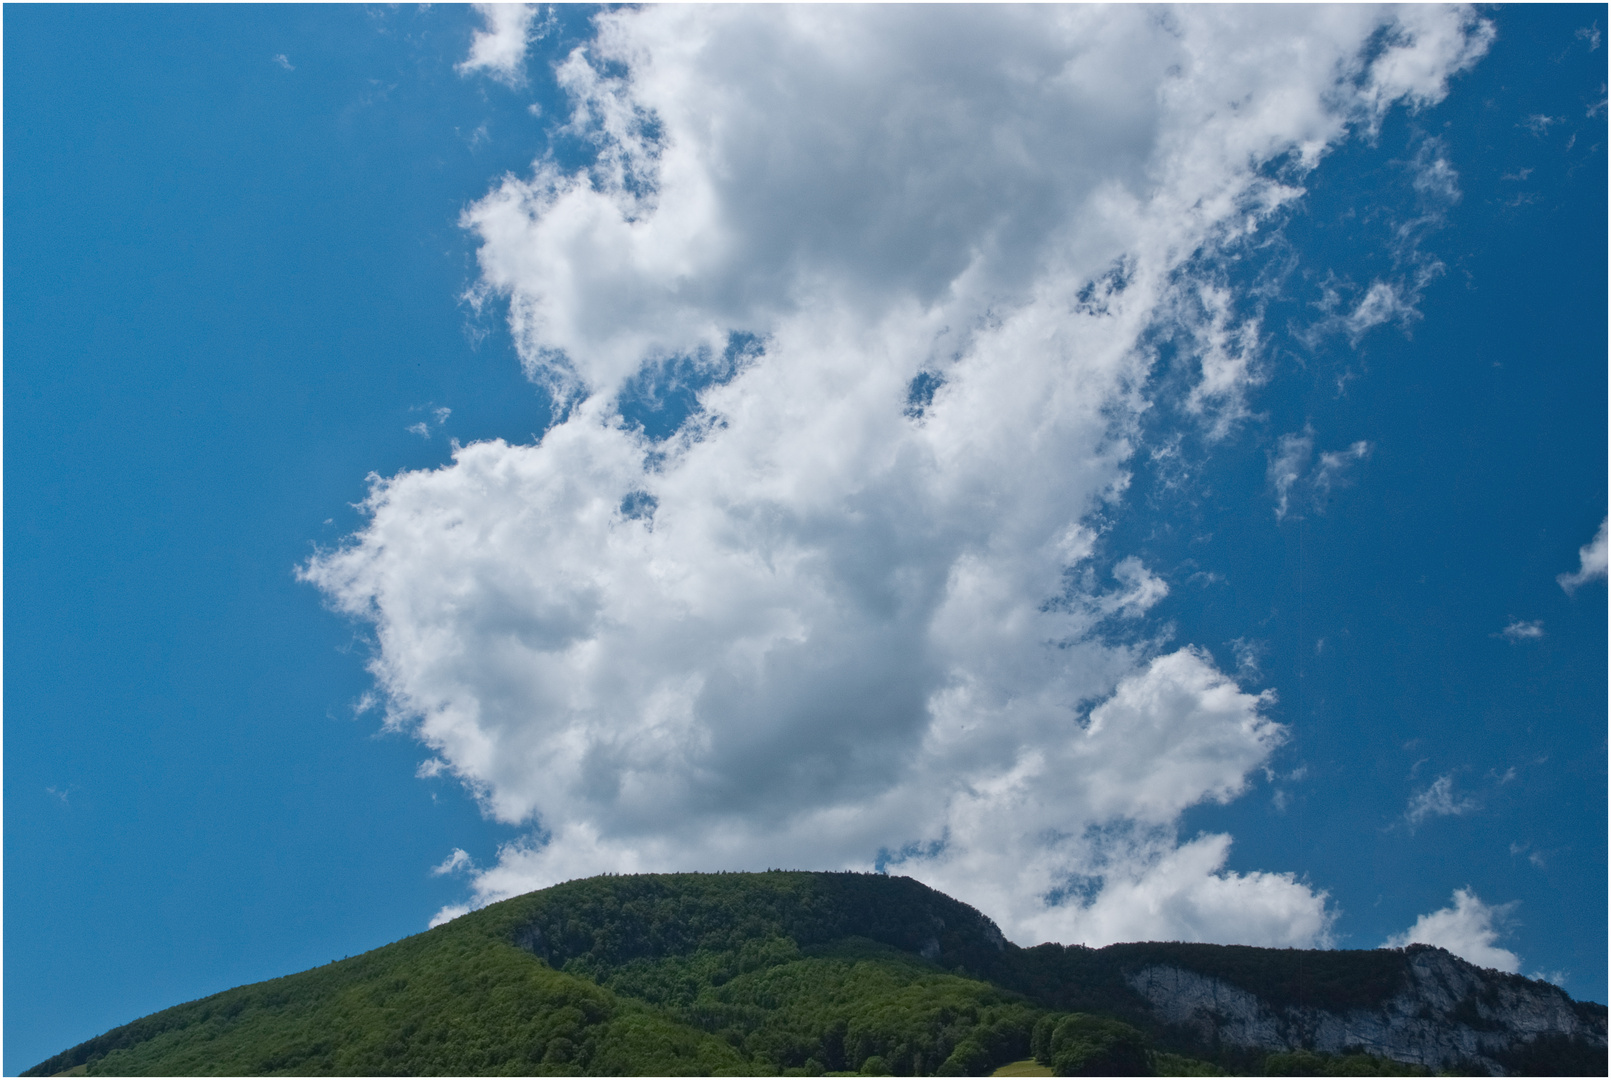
[(809, 973)]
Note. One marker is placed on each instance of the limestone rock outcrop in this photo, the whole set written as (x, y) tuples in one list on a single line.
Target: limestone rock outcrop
[(1449, 1014)]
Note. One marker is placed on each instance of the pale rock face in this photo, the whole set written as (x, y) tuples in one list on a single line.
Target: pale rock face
[(1429, 1022)]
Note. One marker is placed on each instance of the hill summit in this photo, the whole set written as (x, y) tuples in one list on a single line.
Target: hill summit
[(803, 974)]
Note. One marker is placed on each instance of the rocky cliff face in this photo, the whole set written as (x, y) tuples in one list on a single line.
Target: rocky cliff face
[(1448, 1014)]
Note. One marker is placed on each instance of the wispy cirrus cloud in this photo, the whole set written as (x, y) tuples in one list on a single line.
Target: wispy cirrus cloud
[(1288, 465), (1290, 471), (1438, 799), (1394, 298), (438, 416)]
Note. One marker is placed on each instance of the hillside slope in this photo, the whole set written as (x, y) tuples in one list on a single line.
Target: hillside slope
[(806, 973)]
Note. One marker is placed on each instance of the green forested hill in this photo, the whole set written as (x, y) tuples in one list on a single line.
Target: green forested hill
[(728, 974)]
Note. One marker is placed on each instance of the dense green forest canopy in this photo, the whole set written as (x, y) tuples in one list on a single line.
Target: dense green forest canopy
[(781, 973)]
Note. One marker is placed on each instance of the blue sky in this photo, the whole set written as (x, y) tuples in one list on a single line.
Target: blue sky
[(1116, 467)]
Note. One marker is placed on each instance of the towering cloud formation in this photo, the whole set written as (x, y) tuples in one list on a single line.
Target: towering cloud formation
[(849, 613)]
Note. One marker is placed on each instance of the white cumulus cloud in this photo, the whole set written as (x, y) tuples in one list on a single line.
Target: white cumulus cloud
[(1468, 928), (818, 626), (1591, 559), (499, 49)]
